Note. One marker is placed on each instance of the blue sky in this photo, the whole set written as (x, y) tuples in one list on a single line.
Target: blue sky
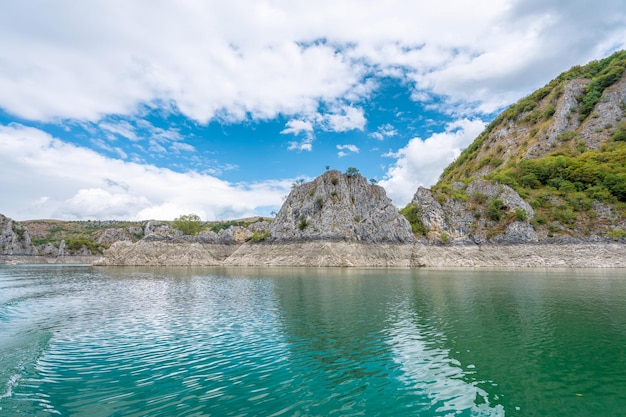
[(148, 110)]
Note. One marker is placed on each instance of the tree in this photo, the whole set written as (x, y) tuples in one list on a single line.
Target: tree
[(352, 171), (373, 181), (189, 224)]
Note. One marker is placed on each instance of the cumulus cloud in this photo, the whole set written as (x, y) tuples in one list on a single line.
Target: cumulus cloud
[(48, 178), (295, 127), (349, 148), (384, 131), (85, 60), (350, 118), (421, 161)]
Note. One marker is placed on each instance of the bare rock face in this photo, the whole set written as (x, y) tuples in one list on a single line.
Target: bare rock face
[(336, 206), (467, 220), (161, 252), (110, 236), (14, 238)]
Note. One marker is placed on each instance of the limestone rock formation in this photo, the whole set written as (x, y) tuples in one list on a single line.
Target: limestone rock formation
[(14, 238), (337, 206), (561, 149), (464, 217)]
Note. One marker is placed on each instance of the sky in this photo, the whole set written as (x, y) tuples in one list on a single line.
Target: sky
[(149, 109)]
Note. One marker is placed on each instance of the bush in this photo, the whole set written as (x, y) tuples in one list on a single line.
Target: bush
[(495, 209), (479, 198), (302, 224), (259, 236), (445, 238), (521, 214), (617, 234), (352, 171), (549, 111), (529, 181), (411, 213), (189, 224)]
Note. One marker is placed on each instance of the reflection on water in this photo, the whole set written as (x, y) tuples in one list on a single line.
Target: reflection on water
[(247, 342)]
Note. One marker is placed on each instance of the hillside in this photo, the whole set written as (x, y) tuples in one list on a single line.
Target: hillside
[(562, 150)]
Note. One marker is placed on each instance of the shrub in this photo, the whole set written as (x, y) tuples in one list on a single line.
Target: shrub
[(529, 181), (479, 198), (445, 238), (411, 213), (549, 111), (565, 215), (521, 214), (189, 224), (495, 209), (566, 136), (617, 234), (352, 171), (259, 236), (302, 224), (334, 180)]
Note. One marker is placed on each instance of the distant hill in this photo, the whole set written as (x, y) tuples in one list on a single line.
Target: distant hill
[(562, 150)]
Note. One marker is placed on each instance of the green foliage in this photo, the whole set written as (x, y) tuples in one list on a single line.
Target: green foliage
[(411, 213), (612, 70), (445, 238), (521, 214), (495, 209), (216, 227), (529, 180), (259, 236), (617, 234), (319, 203), (565, 215), (302, 224), (189, 224), (352, 171), (620, 134), (334, 180), (567, 136), (549, 111), (18, 230), (479, 198), (76, 244)]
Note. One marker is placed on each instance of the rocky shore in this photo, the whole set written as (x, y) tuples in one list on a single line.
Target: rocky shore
[(358, 254)]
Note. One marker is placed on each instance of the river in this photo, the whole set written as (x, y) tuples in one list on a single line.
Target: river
[(123, 341)]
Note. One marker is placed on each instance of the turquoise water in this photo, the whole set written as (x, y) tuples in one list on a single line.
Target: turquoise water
[(81, 341)]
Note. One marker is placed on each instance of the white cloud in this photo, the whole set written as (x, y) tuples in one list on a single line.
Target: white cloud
[(295, 127), (384, 131), (239, 59), (48, 178), (182, 147), (349, 118), (349, 148), (304, 145), (421, 162)]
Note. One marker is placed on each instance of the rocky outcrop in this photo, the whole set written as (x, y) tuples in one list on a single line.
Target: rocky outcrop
[(149, 252), (463, 215), (537, 255), (318, 253), (14, 238), (339, 207)]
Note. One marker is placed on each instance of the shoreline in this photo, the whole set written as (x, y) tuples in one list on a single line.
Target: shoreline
[(346, 254)]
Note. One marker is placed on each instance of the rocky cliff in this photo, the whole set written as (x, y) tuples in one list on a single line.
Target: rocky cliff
[(551, 168), (14, 238), (337, 206)]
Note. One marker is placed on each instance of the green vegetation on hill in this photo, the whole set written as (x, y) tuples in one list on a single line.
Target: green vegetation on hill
[(574, 179)]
